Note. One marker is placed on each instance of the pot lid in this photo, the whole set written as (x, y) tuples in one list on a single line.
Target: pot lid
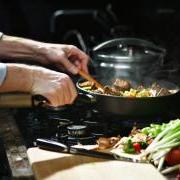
[(127, 50)]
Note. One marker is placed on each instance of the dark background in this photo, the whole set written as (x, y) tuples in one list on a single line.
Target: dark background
[(154, 20)]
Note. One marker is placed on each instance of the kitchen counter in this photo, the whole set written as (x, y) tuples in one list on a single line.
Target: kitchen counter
[(14, 146)]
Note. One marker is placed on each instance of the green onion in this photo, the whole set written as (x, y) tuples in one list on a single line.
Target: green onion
[(166, 140), (171, 169)]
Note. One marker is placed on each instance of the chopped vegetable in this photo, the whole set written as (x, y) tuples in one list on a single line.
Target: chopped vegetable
[(173, 157), (164, 142), (154, 129), (137, 147), (128, 147), (171, 169), (158, 144)]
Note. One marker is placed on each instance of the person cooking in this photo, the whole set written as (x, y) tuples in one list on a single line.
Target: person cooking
[(57, 87)]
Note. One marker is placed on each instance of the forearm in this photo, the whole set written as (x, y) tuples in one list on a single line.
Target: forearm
[(21, 48), (19, 78)]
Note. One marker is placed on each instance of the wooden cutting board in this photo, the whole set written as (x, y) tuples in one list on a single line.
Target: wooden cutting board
[(49, 165)]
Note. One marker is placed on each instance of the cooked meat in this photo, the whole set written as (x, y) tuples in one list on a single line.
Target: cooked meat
[(122, 85), (112, 91), (156, 87), (108, 90), (159, 90), (105, 143), (163, 92)]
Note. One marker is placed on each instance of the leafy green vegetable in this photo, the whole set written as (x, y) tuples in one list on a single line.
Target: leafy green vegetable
[(143, 144), (154, 129), (128, 147)]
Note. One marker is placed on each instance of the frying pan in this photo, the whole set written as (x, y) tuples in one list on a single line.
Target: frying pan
[(136, 107)]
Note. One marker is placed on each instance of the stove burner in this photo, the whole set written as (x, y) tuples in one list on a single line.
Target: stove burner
[(72, 126), (62, 126), (81, 140), (77, 130)]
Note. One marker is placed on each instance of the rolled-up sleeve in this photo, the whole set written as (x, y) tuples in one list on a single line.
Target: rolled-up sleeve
[(3, 68), (1, 35), (3, 71)]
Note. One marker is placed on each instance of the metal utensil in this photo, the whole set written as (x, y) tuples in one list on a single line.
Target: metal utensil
[(59, 147)]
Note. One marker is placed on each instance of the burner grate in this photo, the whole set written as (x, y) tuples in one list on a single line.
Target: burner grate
[(57, 125)]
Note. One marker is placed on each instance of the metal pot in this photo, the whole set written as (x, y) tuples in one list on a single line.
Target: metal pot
[(127, 58)]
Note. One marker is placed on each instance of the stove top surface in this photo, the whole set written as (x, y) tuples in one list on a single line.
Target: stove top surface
[(76, 125)]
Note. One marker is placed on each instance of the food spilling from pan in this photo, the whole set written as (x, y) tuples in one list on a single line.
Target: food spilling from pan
[(158, 144), (124, 88)]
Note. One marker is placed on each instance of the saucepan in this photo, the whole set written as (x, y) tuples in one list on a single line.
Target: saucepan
[(137, 107)]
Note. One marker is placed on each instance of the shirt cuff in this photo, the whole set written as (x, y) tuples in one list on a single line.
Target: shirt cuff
[(3, 72), (1, 35)]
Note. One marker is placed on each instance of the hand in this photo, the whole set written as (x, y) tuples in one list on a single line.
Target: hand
[(56, 87), (66, 57)]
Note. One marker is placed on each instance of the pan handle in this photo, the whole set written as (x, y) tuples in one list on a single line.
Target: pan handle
[(25, 100), (15, 100), (21, 100)]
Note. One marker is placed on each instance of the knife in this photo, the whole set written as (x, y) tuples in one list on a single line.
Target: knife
[(59, 147)]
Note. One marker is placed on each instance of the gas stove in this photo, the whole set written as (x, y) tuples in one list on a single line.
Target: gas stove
[(76, 124)]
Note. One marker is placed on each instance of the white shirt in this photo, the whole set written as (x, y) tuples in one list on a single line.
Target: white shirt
[(3, 72), (1, 35), (3, 68)]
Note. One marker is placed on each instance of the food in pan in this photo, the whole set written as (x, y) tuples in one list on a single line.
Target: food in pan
[(125, 89)]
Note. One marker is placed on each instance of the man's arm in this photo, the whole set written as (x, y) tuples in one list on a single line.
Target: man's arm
[(67, 56), (19, 77), (20, 48)]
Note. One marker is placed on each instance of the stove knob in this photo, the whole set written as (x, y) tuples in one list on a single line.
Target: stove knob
[(77, 130)]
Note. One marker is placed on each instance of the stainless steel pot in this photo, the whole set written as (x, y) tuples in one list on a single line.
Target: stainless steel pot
[(127, 58)]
